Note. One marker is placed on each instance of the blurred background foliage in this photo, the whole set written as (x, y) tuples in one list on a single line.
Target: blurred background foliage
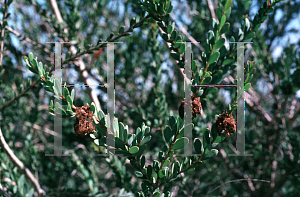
[(149, 88)]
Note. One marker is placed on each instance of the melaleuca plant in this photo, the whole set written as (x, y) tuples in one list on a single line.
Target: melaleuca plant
[(215, 62)]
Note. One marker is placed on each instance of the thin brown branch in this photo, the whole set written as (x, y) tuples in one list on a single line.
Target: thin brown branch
[(23, 38), (191, 38), (17, 97), (2, 34), (20, 165), (82, 67), (2, 190)]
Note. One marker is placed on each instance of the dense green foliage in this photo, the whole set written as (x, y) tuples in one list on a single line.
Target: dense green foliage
[(148, 90)]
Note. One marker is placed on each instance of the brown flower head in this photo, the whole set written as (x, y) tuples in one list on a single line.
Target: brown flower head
[(84, 121), (225, 122), (196, 107)]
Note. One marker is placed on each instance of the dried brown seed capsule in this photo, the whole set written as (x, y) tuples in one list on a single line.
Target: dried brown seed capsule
[(225, 122), (196, 107), (84, 121)]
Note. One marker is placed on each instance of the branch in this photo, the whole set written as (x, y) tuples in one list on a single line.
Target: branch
[(191, 38), (2, 189), (2, 34), (252, 99), (17, 97), (20, 165), (79, 62), (23, 38)]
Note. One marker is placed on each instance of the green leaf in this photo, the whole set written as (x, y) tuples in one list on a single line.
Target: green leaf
[(170, 29), (69, 111), (30, 56), (219, 139), (174, 35), (227, 5), (121, 30), (132, 21), (191, 170), (222, 22), (210, 154), (168, 134), (121, 131), (227, 61), (207, 80), (110, 36), (180, 143), (51, 104), (211, 35), (169, 9), (224, 28), (213, 90), (120, 152), (185, 130), (161, 174), (145, 140), (200, 92), (120, 144), (165, 37), (249, 35), (247, 86), (134, 150), (57, 88), (156, 194), (219, 43), (177, 44), (206, 139), (214, 57), (182, 49), (198, 146), (214, 24), (173, 125), (143, 160), (149, 170), (155, 165), (247, 24), (257, 26), (166, 163), (219, 13), (138, 174), (21, 181), (65, 92), (41, 69), (214, 131), (30, 193), (175, 56)]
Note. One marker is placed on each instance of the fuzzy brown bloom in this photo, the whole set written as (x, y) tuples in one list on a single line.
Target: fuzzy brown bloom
[(196, 107), (84, 121), (227, 123)]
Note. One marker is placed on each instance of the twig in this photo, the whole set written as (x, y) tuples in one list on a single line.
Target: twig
[(79, 62), (23, 38), (20, 165), (3, 191), (17, 97), (46, 130), (2, 34), (237, 181), (191, 38)]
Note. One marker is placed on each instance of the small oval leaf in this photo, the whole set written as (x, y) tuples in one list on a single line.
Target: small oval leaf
[(134, 150), (180, 143)]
